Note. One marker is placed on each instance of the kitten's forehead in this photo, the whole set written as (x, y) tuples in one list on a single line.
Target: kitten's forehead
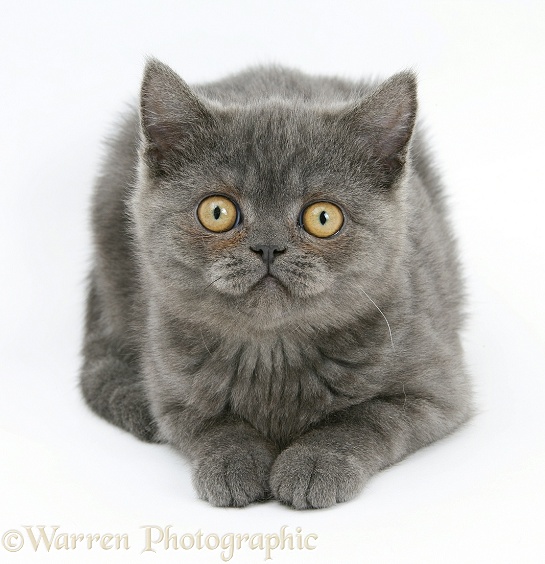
[(279, 150)]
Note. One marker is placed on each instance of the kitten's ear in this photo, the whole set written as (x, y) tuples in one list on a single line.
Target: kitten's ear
[(384, 121), (173, 119)]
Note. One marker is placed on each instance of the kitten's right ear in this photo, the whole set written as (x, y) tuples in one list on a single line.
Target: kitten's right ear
[(173, 120), (383, 122)]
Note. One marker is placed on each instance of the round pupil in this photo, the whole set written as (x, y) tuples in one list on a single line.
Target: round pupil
[(217, 212), (324, 217)]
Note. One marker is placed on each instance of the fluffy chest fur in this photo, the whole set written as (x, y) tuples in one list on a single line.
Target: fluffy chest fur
[(280, 390), (282, 382)]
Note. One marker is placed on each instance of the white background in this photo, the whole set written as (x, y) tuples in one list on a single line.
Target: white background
[(68, 68)]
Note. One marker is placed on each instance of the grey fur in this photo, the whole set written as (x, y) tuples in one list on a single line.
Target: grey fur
[(299, 389)]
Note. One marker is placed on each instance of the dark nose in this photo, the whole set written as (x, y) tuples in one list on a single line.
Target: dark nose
[(268, 252)]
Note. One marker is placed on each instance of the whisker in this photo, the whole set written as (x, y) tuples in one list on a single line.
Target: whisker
[(380, 311), (213, 281), (202, 337)]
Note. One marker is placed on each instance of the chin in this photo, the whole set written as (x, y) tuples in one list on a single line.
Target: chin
[(268, 303)]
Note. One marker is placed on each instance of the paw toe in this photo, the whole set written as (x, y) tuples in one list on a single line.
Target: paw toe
[(306, 478)]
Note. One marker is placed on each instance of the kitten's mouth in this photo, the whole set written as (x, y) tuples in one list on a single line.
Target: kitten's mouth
[(270, 282)]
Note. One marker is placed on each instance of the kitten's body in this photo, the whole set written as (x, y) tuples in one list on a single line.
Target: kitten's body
[(306, 384)]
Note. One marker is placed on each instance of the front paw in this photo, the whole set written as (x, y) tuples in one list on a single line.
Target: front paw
[(308, 477), (234, 477)]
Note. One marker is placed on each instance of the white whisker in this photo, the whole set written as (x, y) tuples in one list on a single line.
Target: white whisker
[(202, 337), (389, 328)]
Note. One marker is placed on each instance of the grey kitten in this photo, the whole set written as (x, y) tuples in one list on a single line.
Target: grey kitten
[(275, 288)]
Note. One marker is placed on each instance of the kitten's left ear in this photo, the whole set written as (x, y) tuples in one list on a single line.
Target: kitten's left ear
[(173, 119), (384, 121)]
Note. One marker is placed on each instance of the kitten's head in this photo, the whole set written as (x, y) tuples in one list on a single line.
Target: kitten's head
[(279, 209)]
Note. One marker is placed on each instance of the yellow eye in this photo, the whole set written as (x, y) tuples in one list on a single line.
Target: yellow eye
[(217, 214), (322, 219)]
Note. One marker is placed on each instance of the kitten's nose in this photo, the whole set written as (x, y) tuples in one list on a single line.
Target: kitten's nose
[(268, 252)]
